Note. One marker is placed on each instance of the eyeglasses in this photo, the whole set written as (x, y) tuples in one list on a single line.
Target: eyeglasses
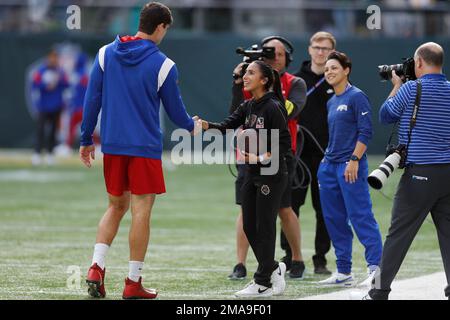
[(324, 49)]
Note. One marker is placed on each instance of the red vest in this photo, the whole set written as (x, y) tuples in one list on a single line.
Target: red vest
[(286, 83)]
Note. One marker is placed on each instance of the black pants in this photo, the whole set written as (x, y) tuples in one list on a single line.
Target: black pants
[(422, 189), (46, 131), (241, 169), (261, 196), (322, 241)]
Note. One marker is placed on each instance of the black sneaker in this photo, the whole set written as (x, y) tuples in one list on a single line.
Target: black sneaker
[(297, 270), (322, 270), (239, 272), (287, 261)]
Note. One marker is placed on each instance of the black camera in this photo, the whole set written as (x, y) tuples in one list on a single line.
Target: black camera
[(253, 54), (395, 158), (256, 53), (405, 69)]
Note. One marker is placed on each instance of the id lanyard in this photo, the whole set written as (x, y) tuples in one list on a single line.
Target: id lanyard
[(311, 90)]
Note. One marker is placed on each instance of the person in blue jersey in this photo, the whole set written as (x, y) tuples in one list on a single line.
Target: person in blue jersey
[(50, 81), (342, 175), (129, 79), (79, 88), (425, 184)]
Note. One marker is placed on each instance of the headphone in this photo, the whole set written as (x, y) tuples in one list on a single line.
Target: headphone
[(289, 49)]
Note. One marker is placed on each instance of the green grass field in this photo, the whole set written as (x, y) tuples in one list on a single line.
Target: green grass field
[(48, 220)]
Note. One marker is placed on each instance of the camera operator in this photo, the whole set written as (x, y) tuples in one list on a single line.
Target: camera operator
[(294, 90), (425, 185)]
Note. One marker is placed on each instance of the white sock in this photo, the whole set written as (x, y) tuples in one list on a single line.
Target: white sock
[(100, 251), (135, 270)]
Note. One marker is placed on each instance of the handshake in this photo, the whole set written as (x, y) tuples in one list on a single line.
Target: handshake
[(199, 124)]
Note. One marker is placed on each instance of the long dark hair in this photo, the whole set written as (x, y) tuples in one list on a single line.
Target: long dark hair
[(273, 79)]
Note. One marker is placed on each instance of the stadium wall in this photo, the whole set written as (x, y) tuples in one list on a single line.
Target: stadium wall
[(205, 63)]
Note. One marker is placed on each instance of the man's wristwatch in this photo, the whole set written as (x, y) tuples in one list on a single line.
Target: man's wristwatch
[(354, 157)]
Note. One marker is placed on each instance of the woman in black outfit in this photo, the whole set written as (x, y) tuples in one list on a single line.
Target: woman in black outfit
[(262, 191)]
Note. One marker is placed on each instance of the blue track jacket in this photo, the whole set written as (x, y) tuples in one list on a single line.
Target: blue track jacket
[(128, 82)]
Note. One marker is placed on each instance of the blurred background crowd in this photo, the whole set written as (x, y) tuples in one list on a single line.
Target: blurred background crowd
[(202, 41)]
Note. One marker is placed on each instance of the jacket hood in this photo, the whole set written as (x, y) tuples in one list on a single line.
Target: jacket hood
[(266, 97), (306, 67), (133, 52)]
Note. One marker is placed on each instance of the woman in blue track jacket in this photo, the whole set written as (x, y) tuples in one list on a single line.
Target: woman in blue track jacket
[(342, 175)]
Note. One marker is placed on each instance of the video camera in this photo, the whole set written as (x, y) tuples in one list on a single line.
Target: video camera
[(256, 53), (253, 54), (405, 69)]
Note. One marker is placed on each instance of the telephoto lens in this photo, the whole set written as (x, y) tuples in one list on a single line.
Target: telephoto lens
[(385, 71), (379, 176)]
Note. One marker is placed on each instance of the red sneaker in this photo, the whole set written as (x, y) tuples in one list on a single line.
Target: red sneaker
[(135, 290), (96, 281)]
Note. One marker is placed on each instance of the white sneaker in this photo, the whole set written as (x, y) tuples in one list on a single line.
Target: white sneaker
[(277, 279), (339, 280), (358, 295), (254, 290), (63, 150), (50, 159), (36, 159), (370, 276)]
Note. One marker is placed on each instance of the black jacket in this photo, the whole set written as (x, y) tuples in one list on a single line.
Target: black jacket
[(314, 114), (265, 113)]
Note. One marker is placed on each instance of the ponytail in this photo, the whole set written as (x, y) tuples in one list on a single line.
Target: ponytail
[(273, 79), (276, 87)]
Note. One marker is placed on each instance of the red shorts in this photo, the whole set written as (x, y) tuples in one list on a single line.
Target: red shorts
[(136, 174)]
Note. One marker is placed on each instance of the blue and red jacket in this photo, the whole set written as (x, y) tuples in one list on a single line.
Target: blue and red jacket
[(51, 83), (129, 80)]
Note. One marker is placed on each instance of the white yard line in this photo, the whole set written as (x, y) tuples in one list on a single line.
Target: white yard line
[(429, 287), (39, 176)]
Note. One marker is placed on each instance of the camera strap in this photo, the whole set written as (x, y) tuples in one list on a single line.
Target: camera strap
[(416, 106), (412, 122)]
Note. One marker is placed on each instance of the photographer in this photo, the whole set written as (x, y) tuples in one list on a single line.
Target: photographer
[(425, 185), (294, 91)]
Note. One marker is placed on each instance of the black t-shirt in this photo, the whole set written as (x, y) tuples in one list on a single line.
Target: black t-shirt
[(314, 114)]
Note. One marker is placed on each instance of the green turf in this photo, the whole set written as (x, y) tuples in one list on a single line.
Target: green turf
[(48, 219)]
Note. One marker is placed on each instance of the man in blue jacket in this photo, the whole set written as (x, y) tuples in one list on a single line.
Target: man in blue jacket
[(130, 78), (50, 81)]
